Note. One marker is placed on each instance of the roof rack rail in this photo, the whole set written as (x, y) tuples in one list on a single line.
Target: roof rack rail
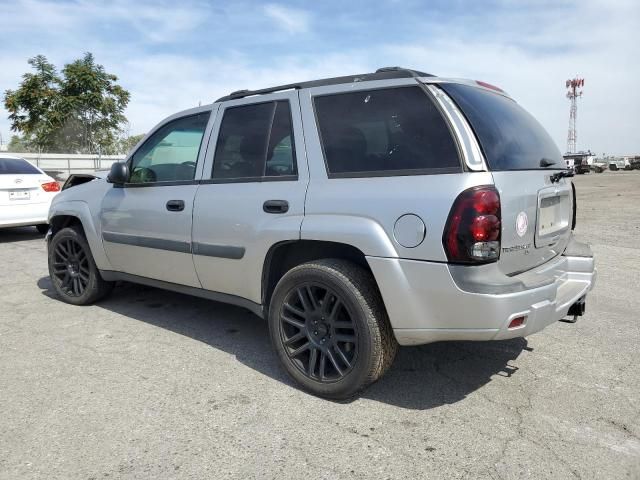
[(412, 73), (262, 91), (238, 92), (384, 73)]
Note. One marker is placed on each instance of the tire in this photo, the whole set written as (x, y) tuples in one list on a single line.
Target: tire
[(73, 272), (43, 228), (334, 308)]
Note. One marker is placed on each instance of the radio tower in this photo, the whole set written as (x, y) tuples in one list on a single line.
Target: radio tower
[(573, 93)]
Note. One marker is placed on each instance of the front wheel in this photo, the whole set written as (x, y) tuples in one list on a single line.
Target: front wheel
[(330, 329), (73, 272)]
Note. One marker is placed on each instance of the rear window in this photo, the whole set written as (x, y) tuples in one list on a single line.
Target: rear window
[(510, 137), (17, 166), (384, 132)]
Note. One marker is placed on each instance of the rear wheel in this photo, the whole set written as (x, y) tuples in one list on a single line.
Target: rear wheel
[(330, 329), (73, 272)]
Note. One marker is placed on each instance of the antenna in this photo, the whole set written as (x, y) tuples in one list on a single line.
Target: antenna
[(573, 93)]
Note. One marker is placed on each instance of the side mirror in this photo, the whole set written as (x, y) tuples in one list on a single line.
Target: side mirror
[(119, 174)]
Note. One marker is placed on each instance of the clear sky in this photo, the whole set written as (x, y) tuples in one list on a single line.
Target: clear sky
[(172, 55)]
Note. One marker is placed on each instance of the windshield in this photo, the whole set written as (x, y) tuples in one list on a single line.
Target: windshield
[(510, 137), (17, 166)]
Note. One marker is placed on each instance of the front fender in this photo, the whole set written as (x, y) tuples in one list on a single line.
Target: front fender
[(80, 210)]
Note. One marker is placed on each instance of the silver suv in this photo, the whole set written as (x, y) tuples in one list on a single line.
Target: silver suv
[(356, 214)]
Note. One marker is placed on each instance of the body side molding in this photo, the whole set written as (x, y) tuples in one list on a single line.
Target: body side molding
[(148, 242), (203, 249), (221, 251)]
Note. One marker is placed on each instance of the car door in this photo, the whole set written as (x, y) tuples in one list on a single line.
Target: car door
[(146, 224), (252, 192)]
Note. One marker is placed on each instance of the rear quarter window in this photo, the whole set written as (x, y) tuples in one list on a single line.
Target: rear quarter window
[(393, 131), (17, 166)]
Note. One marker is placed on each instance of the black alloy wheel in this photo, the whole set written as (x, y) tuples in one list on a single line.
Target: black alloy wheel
[(329, 327), (71, 268), (318, 332), (74, 274)]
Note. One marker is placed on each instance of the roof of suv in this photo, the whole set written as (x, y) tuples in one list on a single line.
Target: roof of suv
[(385, 73)]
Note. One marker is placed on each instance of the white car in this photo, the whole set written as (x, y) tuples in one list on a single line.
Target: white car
[(25, 193)]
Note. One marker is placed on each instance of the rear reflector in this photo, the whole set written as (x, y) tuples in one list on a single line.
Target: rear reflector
[(51, 187), (517, 322)]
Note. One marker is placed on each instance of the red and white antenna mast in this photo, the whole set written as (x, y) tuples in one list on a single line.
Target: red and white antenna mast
[(573, 92)]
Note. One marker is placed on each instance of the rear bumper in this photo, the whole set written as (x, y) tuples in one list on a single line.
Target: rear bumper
[(24, 214), (429, 302)]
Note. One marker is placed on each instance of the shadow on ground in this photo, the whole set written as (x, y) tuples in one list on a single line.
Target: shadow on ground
[(421, 377), (19, 234)]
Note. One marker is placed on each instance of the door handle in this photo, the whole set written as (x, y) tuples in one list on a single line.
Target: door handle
[(175, 205), (276, 206)]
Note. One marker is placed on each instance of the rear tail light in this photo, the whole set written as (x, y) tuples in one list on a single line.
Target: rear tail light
[(472, 234), (51, 187)]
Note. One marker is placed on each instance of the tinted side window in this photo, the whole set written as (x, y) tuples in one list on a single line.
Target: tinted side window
[(388, 130), (255, 141), (281, 153), (171, 153)]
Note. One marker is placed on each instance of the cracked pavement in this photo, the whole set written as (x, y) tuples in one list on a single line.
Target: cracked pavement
[(154, 384)]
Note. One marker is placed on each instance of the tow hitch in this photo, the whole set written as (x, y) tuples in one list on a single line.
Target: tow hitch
[(576, 310)]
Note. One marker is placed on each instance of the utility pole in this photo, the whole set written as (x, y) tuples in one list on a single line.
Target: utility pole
[(573, 93)]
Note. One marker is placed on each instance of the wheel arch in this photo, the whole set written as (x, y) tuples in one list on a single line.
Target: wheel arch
[(65, 214), (285, 255), (58, 222)]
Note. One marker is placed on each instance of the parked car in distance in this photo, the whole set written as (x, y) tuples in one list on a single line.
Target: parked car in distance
[(620, 164), (26, 193), (355, 214), (580, 162)]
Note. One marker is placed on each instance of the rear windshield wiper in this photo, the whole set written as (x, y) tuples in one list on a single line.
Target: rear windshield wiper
[(561, 174), (545, 162)]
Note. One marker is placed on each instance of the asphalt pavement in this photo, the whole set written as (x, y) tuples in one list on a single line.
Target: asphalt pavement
[(154, 384)]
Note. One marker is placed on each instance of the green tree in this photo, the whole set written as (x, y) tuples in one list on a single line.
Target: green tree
[(126, 144), (18, 145), (81, 110), (31, 107)]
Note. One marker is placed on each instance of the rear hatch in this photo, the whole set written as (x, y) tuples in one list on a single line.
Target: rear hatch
[(536, 205)]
